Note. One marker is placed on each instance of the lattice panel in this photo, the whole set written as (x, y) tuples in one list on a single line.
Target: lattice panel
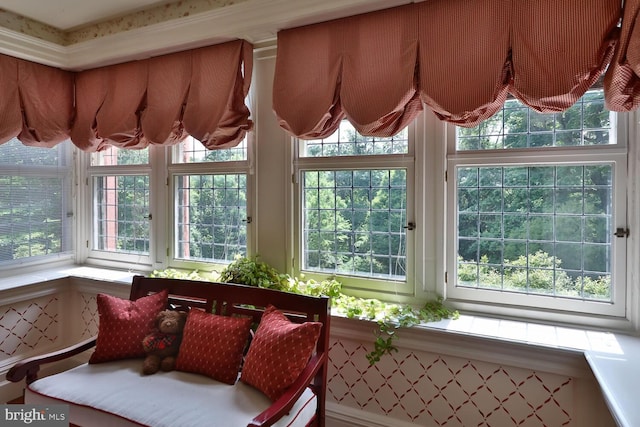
[(28, 325), (88, 316), (431, 390)]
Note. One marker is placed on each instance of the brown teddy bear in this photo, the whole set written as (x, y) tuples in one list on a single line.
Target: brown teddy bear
[(163, 343)]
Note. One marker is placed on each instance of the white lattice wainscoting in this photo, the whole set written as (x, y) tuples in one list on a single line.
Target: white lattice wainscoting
[(45, 314), (440, 379), (31, 322)]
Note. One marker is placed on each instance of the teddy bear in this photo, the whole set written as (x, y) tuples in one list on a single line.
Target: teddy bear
[(161, 346)]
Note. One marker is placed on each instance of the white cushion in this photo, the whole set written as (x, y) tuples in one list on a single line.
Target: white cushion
[(97, 392)]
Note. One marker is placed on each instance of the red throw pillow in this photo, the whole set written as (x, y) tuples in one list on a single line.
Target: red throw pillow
[(279, 352), (212, 345), (123, 324)]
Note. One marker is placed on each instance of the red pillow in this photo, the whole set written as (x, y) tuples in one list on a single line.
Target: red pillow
[(123, 324), (279, 352), (212, 345)]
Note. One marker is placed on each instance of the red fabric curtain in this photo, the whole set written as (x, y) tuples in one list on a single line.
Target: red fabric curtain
[(162, 100), (464, 58), (215, 112), (37, 102), (167, 89), (458, 57), (363, 66), (622, 79), (10, 115)]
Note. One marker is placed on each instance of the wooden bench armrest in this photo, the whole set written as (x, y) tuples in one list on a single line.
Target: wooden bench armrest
[(29, 367), (284, 404)]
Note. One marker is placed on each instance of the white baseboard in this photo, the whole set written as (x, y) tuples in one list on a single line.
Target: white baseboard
[(345, 416)]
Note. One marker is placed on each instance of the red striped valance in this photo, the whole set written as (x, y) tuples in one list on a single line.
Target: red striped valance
[(160, 100), (36, 102), (622, 81), (458, 57)]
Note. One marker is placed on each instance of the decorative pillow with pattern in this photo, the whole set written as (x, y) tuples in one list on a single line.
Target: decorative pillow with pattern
[(213, 345), (123, 324), (279, 352)]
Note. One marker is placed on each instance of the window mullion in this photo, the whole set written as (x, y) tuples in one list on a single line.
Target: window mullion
[(159, 206)]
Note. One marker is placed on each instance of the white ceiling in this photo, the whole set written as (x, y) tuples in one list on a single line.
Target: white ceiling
[(68, 14)]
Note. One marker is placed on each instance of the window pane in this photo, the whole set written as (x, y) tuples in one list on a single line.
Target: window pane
[(353, 222), (121, 204), (551, 235), (192, 151), (34, 194), (32, 218), (14, 153), (346, 141), (587, 122), (116, 156), (211, 217)]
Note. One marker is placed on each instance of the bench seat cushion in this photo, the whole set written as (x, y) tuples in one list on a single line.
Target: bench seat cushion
[(97, 392)]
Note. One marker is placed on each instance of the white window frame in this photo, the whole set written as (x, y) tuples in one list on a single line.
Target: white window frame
[(120, 259), (209, 168), (538, 307), (162, 230), (400, 291), (66, 173)]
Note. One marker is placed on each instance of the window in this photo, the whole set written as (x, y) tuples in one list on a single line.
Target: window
[(36, 216), (201, 196), (354, 196), (537, 199), (210, 194), (120, 182)]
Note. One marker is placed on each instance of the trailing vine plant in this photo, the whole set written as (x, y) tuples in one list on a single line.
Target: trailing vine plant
[(389, 316)]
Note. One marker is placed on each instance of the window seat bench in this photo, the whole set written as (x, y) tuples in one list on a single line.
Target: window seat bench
[(120, 396), (115, 393)]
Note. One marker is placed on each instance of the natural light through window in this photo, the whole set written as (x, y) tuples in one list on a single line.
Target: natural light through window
[(35, 201), (121, 202), (210, 214), (354, 216), (540, 223)]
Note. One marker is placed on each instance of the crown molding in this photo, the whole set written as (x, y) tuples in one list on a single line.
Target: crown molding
[(31, 48)]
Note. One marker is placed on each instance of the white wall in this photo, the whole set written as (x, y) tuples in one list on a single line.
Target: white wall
[(272, 176)]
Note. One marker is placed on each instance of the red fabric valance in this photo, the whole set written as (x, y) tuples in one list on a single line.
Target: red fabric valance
[(36, 102), (160, 100), (163, 99), (363, 66), (458, 57), (622, 81)]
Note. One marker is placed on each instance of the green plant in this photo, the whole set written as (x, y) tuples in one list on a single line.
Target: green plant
[(250, 271), (389, 316), (171, 273), (329, 287)]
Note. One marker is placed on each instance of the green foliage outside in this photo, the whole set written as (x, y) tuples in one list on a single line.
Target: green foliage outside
[(212, 212), (354, 222), (389, 316), (31, 201), (540, 229), (536, 274), (354, 219)]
